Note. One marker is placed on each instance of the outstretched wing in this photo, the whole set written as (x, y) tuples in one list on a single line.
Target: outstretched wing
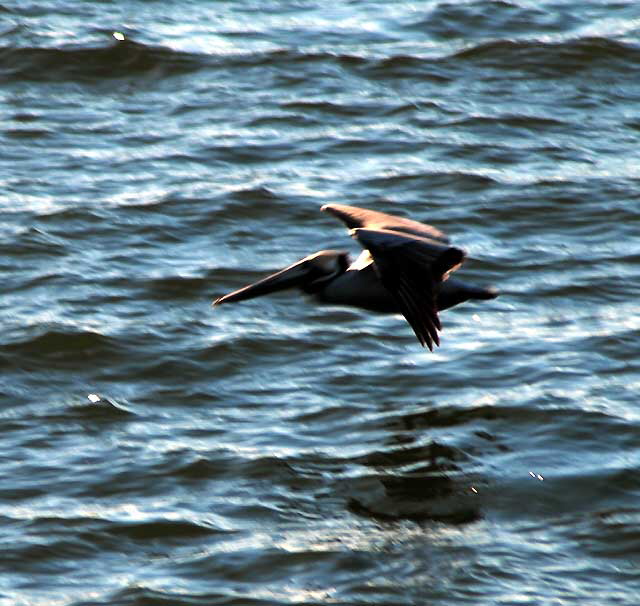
[(355, 217), (411, 268)]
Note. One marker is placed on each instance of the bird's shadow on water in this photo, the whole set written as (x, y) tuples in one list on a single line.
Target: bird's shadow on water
[(418, 475)]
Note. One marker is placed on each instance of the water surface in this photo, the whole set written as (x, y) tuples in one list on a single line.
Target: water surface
[(158, 451)]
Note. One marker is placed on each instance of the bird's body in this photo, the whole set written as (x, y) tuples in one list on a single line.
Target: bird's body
[(404, 268), (359, 288)]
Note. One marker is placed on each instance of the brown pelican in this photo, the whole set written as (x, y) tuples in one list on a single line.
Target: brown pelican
[(404, 268)]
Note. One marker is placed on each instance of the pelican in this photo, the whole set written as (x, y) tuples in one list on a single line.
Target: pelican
[(404, 268)]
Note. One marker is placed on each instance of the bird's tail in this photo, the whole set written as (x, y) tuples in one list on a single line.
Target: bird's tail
[(455, 291)]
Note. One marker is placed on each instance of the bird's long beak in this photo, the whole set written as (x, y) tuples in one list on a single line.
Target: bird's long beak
[(289, 277)]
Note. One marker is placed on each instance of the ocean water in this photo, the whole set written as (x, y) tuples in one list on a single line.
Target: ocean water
[(157, 451)]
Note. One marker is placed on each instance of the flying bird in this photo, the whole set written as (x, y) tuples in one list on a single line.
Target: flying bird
[(404, 268)]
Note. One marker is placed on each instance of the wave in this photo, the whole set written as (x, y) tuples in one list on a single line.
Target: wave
[(130, 58), (138, 593), (180, 287), (450, 20), (115, 60), (62, 347), (562, 57), (100, 408), (536, 56), (433, 180), (33, 242), (92, 535), (160, 529)]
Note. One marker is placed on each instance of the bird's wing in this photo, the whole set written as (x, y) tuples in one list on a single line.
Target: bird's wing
[(411, 268), (355, 217)]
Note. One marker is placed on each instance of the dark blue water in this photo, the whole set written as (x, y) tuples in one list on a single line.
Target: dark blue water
[(156, 451)]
